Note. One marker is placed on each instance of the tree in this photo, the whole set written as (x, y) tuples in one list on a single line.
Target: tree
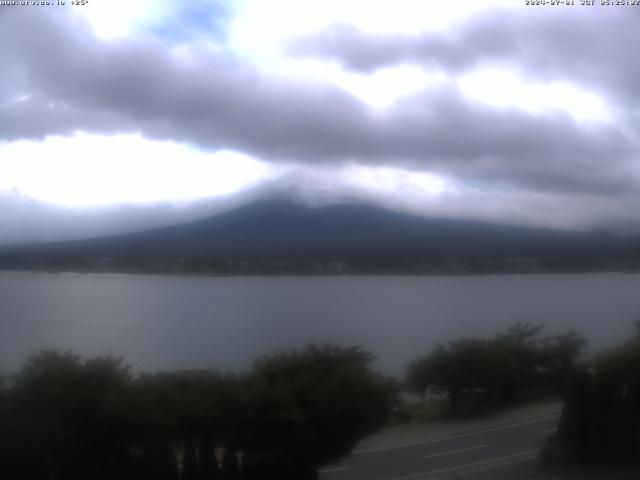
[(310, 407), (462, 366), (498, 370), (195, 411), (71, 416), (600, 423)]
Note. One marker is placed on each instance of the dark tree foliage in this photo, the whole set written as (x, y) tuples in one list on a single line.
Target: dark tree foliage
[(189, 410), (63, 417), (498, 370), (600, 424), (67, 419), (311, 407)]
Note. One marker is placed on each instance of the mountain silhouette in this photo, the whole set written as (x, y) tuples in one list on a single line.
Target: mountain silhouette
[(286, 229)]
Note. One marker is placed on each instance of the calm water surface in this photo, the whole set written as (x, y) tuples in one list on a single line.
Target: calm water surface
[(170, 322)]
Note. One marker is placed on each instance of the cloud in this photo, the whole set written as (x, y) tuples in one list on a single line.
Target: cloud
[(215, 101), (590, 46), (432, 196), (90, 170), (26, 220), (508, 163)]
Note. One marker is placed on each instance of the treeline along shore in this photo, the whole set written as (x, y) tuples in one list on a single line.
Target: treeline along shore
[(65, 417), (382, 264)]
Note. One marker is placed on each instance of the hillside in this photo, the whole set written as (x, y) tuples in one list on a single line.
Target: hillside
[(282, 233)]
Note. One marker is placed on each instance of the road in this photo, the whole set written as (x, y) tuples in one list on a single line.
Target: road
[(505, 451)]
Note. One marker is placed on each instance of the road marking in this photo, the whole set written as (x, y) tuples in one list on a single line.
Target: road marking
[(451, 452), (456, 436), (468, 465), (544, 432), (337, 469), (492, 466)]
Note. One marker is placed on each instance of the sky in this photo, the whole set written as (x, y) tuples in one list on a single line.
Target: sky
[(119, 115)]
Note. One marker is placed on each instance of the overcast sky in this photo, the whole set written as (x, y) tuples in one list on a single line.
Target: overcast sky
[(122, 114)]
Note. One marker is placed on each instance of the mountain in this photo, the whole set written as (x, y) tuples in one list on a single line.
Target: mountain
[(282, 232)]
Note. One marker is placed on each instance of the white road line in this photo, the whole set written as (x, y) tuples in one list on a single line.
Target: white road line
[(337, 469), (456, 436), (492, 466), (451, 452), (544, 432), (468, 465)]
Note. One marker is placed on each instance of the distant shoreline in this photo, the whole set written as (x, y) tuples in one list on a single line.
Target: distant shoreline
[(315, 274)]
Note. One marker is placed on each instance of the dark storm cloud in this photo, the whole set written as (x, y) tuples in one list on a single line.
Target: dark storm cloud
[(214, 100), (592, 46)]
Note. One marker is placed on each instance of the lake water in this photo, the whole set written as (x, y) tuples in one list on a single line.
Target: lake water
[(170, 322)]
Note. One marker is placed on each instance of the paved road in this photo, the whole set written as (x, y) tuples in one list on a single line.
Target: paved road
[(498, 452)]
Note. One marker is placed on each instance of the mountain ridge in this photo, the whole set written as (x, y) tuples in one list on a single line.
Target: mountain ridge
[(281, 229)]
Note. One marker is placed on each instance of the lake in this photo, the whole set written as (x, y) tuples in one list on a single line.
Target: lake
[(171, 322)]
